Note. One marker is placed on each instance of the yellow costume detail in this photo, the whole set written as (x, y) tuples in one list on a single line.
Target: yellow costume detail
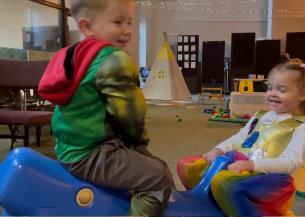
[(274, 137)]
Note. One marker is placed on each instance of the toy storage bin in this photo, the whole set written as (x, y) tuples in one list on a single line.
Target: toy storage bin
[(247, 103)]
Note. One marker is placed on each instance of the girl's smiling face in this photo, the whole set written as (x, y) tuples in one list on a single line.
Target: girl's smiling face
[(284, 93)]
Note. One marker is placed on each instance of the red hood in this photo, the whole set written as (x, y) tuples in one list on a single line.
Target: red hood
[(61, 78)]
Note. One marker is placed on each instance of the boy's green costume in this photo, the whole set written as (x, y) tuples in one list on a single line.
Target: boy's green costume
[(80, 122), (95, 89)]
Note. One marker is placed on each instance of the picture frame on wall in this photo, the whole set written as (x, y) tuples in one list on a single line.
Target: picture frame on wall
[(185, 39), (180, 39), (180, 48), (186, 57), (193, 48), (193, 57), (180, 57), (186, 48)]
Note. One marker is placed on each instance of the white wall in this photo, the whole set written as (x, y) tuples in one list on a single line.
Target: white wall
[(133, 47), (210, 21), (151, 23), (288, 16), (15, 14)]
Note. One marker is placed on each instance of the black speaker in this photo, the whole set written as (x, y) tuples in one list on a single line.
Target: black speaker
[(295, 44), (242, 56), (267, 55), (213, 54), (242, 52)]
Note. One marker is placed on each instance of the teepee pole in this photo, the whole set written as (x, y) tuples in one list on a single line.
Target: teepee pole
[(165, 36)]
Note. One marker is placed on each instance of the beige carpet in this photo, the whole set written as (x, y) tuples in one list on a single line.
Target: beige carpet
[(171, 138)]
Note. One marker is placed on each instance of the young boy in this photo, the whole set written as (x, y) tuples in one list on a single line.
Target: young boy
[(98, 120)]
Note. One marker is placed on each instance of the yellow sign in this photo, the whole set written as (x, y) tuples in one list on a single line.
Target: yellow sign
[(161, 74), (245, 86)]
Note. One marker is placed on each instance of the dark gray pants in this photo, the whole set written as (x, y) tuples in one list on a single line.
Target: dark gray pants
[(114, 165)]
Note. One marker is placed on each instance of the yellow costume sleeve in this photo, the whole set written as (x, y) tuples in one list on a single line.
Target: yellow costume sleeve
[(117, 80)]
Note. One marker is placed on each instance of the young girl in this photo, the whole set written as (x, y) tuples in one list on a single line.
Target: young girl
[(264, 153)]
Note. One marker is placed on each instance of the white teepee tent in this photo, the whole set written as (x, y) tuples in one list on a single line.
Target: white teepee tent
[(165, 80)]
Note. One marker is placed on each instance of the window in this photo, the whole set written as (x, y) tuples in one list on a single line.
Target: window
[(143, 43)]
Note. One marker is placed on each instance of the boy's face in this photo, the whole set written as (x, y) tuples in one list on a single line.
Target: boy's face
[(114, 23), (283, 94)]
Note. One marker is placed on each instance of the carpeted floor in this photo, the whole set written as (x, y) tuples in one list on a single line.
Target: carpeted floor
[(175, 131)]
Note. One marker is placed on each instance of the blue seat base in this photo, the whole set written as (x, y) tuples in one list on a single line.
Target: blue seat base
[(33, 184)]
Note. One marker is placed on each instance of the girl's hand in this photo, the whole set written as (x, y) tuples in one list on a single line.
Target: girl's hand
[(212, 154), (241, 165)]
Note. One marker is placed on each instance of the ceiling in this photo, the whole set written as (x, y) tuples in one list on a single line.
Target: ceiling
[(280, 7)]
